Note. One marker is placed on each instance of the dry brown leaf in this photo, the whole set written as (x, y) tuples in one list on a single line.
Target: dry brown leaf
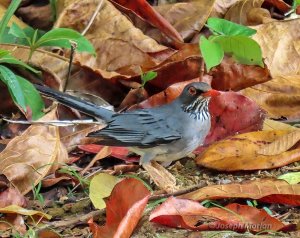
[(103, 153), (240, 152), (266, 189), (29, 157), (118, 43), (188, 18), (239, 11), (279, 97), (281, 145), (280, 44), (162, 178), (221, 7)]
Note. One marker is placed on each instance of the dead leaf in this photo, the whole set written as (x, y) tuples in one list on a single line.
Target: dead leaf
[(147, 12), (103, 153), (240, 152), (281, 145), (29, 157), (280, 5), (279, 97), (230, 75), (270, 125), (239, 11), (271, 190), (14, 209), (124, 209), (101, 187), (117, 42), (12, 196), (182, 213), (280, 44)]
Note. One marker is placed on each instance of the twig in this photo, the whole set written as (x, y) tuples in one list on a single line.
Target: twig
[(76, 220), (202, 70), (92, 18), (178, 192)]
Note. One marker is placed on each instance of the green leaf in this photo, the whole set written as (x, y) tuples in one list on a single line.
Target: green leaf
[(291, 178), (212, 53), (33, 99), (228, 28), (7, 16), (6, 58), (145, 77), (62, 37), (244, 49), (14, 87), (100, 187)]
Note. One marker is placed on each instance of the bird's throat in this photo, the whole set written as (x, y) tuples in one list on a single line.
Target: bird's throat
[(198, 109)]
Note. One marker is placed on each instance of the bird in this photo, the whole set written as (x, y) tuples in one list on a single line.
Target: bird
[(165, 133)]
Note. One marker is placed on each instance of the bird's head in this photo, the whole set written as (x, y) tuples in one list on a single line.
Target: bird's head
[(197, 91), (194, 99)]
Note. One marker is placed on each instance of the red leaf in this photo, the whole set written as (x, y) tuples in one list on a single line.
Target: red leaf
[(233, 113), (117, 152), (146, 11), (124, 209), (182, 213)]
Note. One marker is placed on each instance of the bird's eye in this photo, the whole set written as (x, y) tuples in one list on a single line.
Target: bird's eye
[(192, 91)]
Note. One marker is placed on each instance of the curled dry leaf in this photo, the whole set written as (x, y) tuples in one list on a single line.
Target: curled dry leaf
[(269, 190), (117, 42), (241, 153), (124, 209), (239, 11), (31, 156), (279, 97), (279, 42), (182, 213)]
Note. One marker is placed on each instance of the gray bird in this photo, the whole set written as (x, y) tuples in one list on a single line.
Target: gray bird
[(165, 133)]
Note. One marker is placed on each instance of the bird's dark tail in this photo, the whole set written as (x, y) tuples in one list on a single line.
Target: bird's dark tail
[(76, 103)]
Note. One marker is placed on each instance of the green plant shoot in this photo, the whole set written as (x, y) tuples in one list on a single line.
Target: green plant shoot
[(60, 37), (229, 38), (148, 76)]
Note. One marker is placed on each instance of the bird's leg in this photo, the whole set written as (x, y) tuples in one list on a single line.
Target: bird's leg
[(160, 176)]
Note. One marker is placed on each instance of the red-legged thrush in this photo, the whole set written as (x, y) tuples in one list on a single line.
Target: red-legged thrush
[(164, 133)]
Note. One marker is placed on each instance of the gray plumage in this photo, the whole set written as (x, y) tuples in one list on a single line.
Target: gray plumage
[(164, 133)]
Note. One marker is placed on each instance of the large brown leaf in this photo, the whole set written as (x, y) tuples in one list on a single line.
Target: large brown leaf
[(182, 213), (279, 97), (241, 152), (267, 190), (118, 43), (29, 157), (280, 43), (124, 209)]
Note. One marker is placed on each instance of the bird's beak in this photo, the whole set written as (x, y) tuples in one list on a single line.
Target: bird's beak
[(211, 93)]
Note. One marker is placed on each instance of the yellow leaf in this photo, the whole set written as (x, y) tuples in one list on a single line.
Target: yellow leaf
[(100, 187)]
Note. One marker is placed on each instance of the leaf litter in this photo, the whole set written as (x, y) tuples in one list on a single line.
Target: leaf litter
[(121, 53)]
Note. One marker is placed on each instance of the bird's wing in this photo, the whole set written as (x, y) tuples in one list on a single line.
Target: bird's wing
[(141, 128)]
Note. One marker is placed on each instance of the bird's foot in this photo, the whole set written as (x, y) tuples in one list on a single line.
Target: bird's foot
[(161, 177)]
